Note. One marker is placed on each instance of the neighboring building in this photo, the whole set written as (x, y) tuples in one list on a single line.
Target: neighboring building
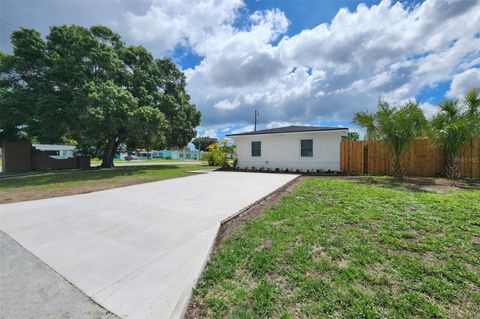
[(57, 151), (293, 147), (184, 154), (174, 154)]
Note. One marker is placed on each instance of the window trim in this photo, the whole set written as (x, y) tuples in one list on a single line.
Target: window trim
[(301, 148), (260, 149)]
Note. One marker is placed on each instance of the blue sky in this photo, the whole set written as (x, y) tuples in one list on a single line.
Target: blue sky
[(314, 62)]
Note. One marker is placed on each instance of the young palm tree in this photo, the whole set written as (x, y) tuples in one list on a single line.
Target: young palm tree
[(472, 102), (396, 127), (220, 152), (366, 121), (456, 125)]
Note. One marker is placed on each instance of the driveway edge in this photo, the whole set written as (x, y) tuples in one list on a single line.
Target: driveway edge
[(241, 211), (221, 233)]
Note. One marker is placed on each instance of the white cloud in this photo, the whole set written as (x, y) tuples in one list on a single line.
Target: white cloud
[(325, 73), (173, 22), (463, 81), (275, 124), (210, 132), (246, 128), (227, 105), (428, 109)]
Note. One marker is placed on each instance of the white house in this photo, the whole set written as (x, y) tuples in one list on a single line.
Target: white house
[(293, 147), (57, 151)]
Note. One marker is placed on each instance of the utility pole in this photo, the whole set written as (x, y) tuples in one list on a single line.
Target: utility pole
[(255, 126)]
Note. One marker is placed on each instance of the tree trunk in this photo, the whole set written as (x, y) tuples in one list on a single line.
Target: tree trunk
[(109, 153), (452, 168), (397, 168)]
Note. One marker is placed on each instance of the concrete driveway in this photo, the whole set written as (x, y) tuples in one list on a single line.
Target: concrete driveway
[(137, 251)]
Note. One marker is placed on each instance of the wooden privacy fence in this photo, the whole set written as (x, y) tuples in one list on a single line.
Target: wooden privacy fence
[(423, 158)]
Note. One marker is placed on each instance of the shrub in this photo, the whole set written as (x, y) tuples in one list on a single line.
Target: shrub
[(219, 153), (208, 158)]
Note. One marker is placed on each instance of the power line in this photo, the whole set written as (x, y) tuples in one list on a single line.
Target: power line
[(11, 24)]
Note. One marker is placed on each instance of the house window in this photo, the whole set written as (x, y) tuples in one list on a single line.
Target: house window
[(306, 148), (257, 148), (53, 153)]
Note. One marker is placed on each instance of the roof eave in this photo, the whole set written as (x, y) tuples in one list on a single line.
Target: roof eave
[(296, 132)]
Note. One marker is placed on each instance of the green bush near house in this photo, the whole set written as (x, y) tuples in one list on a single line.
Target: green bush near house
[(219, 153)]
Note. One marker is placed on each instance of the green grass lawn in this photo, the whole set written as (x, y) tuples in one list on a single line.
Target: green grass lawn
[(74, 182), (339, 248)]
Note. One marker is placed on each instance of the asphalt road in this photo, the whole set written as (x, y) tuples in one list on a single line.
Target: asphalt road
[(31, 289)]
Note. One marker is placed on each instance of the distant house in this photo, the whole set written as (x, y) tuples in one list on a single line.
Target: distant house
[(293, 147), (186, 154), (174, 154), (57, 151)]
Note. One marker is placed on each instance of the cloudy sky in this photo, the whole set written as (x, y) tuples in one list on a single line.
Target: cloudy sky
[(312, 62)]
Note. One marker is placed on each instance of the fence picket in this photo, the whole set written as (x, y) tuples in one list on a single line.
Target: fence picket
[(423, 158)]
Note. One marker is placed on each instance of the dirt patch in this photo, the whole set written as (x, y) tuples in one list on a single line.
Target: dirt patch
[(418, 183), (195, 308), (254, 211), (440, 184)]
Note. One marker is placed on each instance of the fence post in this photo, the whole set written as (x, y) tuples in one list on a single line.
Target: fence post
[(365, 159)]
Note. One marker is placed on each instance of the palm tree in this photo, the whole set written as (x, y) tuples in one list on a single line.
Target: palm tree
[(220, 152), (366, 121), (456, 125), (396, 127), (472, 102)]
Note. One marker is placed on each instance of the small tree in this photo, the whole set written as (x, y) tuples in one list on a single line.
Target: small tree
[(202, 143), (220, 153), (456, 125), (396, 127)]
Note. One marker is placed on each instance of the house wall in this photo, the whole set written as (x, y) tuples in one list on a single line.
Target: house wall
[(56, 151), (283, 151), (64, 154)]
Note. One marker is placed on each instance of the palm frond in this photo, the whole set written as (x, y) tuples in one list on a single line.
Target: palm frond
[(450, 107), (472, 100), (366, 121)]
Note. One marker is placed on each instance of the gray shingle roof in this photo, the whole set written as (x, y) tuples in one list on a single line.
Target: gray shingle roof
[(291, 129)]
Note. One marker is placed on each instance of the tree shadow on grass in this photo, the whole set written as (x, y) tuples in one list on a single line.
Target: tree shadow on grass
[(87, 175)]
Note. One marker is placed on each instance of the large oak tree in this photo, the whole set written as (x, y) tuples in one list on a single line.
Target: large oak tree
[(86, 85)]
